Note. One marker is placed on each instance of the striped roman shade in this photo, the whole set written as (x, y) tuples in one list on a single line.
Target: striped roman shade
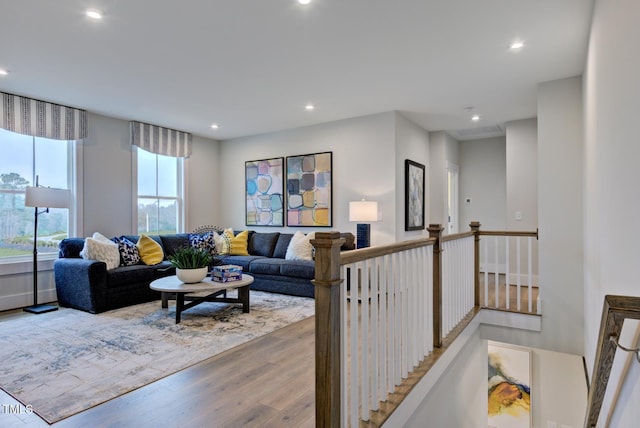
[(161, 141), (41, 119)]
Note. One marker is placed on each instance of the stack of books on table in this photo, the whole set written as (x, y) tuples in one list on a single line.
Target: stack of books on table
[(226, 273)]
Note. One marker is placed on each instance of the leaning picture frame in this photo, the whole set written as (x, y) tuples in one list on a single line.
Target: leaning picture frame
[(264, 192), (509, 386), (414, 204)]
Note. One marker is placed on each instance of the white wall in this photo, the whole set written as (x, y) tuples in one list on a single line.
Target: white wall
[(522, 174), (483, 178), (412, 142), (611, 177), (560, 210), (443, 149), (107, 169), (203, 184), (364, 166)]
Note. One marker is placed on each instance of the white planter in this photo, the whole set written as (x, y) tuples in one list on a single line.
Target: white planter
[(189, 276)]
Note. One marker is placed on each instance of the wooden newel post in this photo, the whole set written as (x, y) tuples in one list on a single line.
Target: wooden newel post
[(435, 231), (327, 295), (475, 227)]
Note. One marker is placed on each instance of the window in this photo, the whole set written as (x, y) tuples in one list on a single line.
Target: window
[(160, 193), (25, 157)]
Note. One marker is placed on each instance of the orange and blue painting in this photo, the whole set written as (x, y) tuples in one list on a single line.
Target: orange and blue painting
[(509, 387)]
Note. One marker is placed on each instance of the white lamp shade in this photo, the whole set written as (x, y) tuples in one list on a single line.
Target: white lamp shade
[(363, 211), (47, 197)]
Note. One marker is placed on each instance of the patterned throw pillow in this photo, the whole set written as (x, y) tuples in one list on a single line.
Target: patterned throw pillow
[(129, 254), (204, 242)]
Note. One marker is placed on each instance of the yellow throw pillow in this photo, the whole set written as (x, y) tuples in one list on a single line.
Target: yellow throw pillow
[(150, 251), (239, 242)]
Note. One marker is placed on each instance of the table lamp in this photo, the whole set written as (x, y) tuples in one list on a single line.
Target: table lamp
[(363, 211)]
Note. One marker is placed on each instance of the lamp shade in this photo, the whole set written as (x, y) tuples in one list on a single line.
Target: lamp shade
[(363, 210), (47, 197)]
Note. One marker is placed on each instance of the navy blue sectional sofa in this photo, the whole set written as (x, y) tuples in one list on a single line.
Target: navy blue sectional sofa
[(88, 285)]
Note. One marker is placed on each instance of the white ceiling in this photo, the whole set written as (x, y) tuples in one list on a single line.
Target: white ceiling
[(252, 65)]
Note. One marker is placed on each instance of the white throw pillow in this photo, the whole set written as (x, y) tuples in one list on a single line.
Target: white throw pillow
[(223, 244), (299, 247), (102, 249)]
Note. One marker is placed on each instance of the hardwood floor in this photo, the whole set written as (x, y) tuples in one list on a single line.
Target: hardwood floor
[(513, 293), (268, 382)]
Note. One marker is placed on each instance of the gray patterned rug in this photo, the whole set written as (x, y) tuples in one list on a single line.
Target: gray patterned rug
[(67, 361)]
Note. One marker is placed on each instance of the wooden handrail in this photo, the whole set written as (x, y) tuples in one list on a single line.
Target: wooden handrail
[(615, 310), (508, 233), (349, 257), (454, 236)]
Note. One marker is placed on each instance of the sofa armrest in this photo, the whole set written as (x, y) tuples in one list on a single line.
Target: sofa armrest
[(81, 284)]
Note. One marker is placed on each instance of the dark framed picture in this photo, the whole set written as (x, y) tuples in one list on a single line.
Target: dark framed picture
[(309, 190), (414, 195), (264, 188)]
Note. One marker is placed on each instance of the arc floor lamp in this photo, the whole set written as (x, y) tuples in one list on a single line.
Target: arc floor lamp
[(42, 197)]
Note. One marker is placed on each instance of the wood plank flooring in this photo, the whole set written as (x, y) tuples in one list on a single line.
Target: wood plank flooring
[(268, 382)]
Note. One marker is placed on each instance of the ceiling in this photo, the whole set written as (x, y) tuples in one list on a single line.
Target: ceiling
[(252, 65)]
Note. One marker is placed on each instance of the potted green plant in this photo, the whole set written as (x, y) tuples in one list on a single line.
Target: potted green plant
[(192, 264)]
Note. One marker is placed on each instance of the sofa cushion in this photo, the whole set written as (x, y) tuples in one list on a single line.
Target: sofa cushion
[(280, 251), (298, 269), (170, 243), (70, 248), (129, 275), (150, 250), (349, 241), (267, 266), (243, 261), (263, 244)]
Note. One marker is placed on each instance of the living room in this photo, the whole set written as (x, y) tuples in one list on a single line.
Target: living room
[(369, 150)]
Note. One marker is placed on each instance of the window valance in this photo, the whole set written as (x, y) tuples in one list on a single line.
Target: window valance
[(161, 141), (41, 119)]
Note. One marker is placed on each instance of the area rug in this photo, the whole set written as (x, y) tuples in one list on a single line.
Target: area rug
[(64, 362)]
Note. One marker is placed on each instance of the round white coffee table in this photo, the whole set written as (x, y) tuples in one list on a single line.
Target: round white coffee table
[(217, 292)]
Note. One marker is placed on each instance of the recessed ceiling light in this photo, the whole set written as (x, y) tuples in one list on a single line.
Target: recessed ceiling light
[(215, 126), (94, 13), (475, 117), (304, 1), (516, 45), (3, 72), (309, 107)]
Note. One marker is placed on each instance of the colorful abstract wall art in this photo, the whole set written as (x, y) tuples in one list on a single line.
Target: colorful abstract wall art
[(414, 195), (264, 192), (309, 190), (509, 387)]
